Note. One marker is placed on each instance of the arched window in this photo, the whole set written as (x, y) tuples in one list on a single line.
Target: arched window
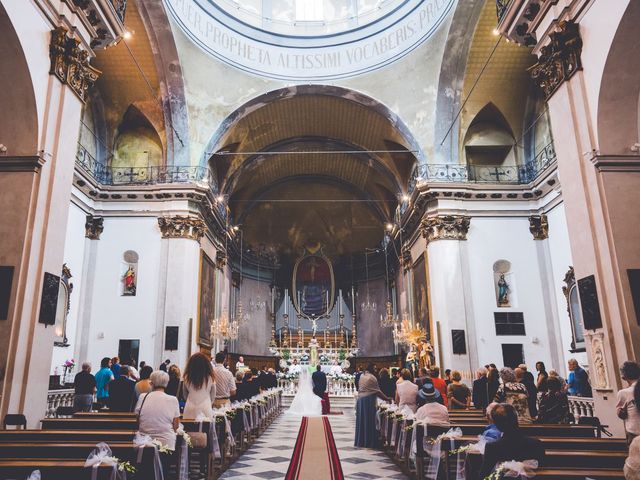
[(570, 290)]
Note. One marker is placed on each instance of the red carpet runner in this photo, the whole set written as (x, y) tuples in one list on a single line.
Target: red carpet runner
[(315, 455)]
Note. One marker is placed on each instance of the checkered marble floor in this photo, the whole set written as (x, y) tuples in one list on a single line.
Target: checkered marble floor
[(269, 456)]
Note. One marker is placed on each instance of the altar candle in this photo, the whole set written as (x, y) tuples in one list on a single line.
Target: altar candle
[(353, 300), (286, 301), (339, 302), (273, 299), (280, 336), (347, 333)]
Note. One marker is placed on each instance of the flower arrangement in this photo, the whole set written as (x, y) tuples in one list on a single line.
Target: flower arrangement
[(162, 448), (69, 363), (185, 436), (524, 469), (125, 466)]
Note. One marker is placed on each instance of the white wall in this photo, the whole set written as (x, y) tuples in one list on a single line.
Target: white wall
[(561, 260), (508, 238), (74, 249), (112, 316)]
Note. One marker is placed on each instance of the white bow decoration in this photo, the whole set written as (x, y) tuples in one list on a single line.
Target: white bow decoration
[(140, 441), (524, 469), (102, 455)]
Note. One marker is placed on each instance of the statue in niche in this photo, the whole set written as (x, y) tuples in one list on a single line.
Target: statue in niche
[(129, 280), (503, 292)]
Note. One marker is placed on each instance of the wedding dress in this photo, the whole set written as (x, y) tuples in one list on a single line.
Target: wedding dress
[(305, 403)]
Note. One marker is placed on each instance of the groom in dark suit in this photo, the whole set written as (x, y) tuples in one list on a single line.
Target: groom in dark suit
[(319, 379)]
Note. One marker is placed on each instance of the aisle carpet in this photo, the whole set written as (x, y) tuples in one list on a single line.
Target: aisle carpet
[(315, 454)]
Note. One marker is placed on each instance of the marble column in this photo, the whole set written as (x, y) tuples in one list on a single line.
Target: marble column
[(36, 193), (449, 287), (598, 191), (178, 296)]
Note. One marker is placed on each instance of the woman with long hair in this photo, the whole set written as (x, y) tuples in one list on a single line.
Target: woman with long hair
[(543, 376), (198, 387)]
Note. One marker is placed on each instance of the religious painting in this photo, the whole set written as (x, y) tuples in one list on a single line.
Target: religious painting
[(49, 299), (206, 302), (313, 285), (421, 294)]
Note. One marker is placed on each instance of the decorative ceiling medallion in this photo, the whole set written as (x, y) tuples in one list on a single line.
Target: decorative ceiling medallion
[(344, 54)]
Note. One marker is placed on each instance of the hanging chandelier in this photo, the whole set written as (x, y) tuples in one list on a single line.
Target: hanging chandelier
[(223, 328), (387, 319), (367, 305)]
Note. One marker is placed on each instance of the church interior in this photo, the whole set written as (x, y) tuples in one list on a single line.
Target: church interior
[(419, 216)]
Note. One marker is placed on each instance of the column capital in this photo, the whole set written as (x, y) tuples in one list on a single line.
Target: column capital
[(221, 259), (93, 227), (70, 63), (182, 227), (539, 227), (560, 59), (445, 227)]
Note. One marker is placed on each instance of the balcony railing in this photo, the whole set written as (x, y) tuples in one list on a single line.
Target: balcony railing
[(120, 6), (152, 175), (501, 8), (498, 174)]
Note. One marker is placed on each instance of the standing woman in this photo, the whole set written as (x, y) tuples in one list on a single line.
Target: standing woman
[(458, 393), (369, 390), (198, 387), (543, 376)]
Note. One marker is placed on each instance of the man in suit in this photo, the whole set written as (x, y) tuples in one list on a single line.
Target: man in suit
[(423, 378), (479, 395), (319, 379), (513, 445), (122, 392)]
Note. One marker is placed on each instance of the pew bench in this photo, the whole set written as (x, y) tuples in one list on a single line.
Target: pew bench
[(51, 469)]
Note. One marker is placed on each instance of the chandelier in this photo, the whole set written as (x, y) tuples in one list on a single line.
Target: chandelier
[(222, 328), (387, 320), (407, 333), (367, 305)]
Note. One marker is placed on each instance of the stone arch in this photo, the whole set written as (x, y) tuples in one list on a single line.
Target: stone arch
[(137, 143), (19, 124), (618, 104), (489, 139)]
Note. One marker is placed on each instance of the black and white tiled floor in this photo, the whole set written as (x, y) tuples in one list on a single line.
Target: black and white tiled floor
[(268, 458)]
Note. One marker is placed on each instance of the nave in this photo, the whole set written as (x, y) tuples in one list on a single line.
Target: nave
[(269, 457)]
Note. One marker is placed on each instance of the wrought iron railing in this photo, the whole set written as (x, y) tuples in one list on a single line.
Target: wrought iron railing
[(501, 8), (120, 6), (499, 174), (107, 175)]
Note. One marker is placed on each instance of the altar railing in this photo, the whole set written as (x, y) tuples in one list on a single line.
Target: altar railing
[(58, 398), (581, 406), (335, 387)]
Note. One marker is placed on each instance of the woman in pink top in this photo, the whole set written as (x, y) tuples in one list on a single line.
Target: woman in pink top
[(407, 391)]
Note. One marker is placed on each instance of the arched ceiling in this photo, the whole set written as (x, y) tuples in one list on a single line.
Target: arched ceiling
[(313, 167)]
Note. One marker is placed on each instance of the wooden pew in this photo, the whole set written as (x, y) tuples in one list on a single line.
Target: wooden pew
[(50, 469)]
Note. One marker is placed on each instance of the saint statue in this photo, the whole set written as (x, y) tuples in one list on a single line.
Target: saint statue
[(427, 357), (411, 361), (129, 280), (313, 352), (503, 292)]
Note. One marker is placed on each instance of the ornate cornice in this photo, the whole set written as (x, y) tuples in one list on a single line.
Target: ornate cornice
[(31, 163), (70, 63), (445, 227), (93, 227), (539, 227), (559, 60), (182, 227)]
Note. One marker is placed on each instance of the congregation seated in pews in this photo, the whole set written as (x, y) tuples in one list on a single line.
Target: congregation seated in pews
[(535, 434), (153, 441)]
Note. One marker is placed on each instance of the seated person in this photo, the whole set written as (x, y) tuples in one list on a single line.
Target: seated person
[(554, 404), (513, 445), (406, 391), (122, 392), (432, 412), (491, 433), (241, 389)]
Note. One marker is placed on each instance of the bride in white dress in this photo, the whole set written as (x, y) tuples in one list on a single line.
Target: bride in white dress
[(305, 403)]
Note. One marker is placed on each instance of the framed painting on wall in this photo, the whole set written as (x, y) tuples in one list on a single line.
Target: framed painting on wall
[(421, 294), (206, 299)]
